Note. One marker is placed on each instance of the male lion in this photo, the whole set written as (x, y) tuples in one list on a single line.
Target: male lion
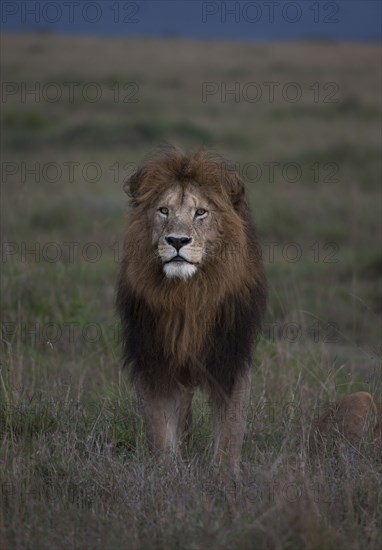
[(191, 296)]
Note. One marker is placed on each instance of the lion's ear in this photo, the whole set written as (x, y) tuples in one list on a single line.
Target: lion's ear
[(239, 197), (132, 184), (234, 187)]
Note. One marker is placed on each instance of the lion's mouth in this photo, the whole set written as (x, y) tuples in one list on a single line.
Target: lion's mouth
[(178, 260)]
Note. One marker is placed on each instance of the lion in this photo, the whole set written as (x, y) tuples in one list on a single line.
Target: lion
[(191, 296), (347, 420), (378, 427)]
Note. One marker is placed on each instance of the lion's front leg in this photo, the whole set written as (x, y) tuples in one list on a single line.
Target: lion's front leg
[(164, 417), (229, 415)]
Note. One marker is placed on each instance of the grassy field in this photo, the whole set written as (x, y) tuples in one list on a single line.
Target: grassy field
[(75, 470)]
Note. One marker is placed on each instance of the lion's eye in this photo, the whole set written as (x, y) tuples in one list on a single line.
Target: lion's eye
[(163, 210), (200, 212)]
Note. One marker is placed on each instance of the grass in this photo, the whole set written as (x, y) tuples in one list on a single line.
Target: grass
[(75, 470)]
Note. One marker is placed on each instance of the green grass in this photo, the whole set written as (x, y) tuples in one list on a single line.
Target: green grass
[(75, 469)]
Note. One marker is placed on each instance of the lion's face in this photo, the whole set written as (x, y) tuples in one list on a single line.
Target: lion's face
[(182, 228)]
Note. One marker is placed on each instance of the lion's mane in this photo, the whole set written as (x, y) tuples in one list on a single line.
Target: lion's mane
[(198, 331)]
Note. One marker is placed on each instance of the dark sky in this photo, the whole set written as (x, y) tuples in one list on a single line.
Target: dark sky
[(358, 20)]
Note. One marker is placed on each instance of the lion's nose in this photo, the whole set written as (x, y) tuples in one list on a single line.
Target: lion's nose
[(178, 242)]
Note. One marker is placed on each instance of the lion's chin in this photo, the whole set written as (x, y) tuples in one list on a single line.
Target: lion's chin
[(182, 270)]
